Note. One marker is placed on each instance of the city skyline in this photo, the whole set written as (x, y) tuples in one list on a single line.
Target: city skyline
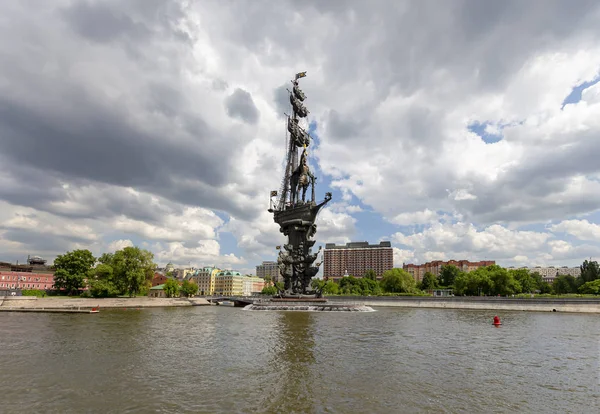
[(443, 129)]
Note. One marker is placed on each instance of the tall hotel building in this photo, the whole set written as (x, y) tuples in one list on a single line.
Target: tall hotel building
[(355, 258)]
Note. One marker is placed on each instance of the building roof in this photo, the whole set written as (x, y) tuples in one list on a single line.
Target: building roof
[(158, 287), (358, 245), (229, 273)]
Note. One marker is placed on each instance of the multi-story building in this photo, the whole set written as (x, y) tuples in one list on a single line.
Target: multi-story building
[(418, 271), (34, 275), (550, 273), (356, 258), (229, 283), (205, 278), (26, 280), (270, 269), (252, 285)]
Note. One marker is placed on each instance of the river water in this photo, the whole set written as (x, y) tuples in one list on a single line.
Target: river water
[(227, 360)]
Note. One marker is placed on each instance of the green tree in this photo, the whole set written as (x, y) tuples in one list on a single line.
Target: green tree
[(448, 275), (503, 282), (72, 269), (429, 281), (527, 282), (398, 281), (473, 283), (543, 287), (590, 271), (106, 258), (189, 288), (331, 288), (546, 287), (370, 274), (171, 288), (349, 285), (564, 284), (590, 288), (361, 286), (101, 281), (133, 270), (269, 290), (317, 284)]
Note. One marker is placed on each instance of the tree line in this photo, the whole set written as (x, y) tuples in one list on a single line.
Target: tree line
[(485, 281), (495, 280), (125, 272), (393, 281)]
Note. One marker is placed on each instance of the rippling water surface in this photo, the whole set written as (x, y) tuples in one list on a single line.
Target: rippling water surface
[(227, 360)]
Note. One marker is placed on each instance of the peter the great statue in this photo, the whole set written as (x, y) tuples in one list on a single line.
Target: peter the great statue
[(292, 211)]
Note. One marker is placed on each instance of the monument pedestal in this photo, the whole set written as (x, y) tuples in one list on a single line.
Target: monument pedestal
[(307, 305)]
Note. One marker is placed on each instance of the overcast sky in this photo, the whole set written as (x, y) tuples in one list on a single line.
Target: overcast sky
[(455, 129)]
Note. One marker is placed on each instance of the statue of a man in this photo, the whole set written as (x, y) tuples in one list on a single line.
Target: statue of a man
[(305, 176)]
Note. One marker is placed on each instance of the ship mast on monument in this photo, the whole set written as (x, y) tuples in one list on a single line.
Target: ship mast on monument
[(295, 214)]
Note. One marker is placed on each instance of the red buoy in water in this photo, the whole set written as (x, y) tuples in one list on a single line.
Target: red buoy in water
[(497, 321)]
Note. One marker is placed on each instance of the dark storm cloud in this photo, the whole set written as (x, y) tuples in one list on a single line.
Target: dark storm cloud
[(241, 106), (98, 144), (40, 241), (404, 43), (100, 23), (37, 189), (97, 93), (60, 127)]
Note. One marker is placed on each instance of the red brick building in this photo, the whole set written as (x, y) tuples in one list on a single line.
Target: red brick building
[(356, 258), (159, 279), (26, 280)]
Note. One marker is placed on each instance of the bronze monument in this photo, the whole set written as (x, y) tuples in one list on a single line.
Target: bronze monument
[(295, 214)]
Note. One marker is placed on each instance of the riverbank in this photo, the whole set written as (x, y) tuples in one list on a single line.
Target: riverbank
[(16, 303), (571, 305), (478, 303)]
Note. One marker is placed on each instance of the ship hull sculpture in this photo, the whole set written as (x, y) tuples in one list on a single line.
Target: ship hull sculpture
[(293, 212)]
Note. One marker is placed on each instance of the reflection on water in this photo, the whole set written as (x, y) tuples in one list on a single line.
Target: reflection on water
[(224, 360), (292, 359)]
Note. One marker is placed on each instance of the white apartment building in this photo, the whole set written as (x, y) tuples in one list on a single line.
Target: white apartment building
[(550, 273)]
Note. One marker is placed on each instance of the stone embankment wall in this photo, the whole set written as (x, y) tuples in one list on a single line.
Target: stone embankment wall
[(30, 302), (509, 304)]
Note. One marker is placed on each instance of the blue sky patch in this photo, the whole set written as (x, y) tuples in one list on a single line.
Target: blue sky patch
[(575, 95), (480, 129)]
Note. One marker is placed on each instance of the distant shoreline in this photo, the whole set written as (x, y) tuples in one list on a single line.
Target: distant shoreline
[(16, 303), (572, 305)]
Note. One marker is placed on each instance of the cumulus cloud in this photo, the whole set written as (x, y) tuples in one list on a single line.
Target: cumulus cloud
[(119, 245), (582, 229), (205, 252), (161, 123), (443, 241), (418, 217)]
